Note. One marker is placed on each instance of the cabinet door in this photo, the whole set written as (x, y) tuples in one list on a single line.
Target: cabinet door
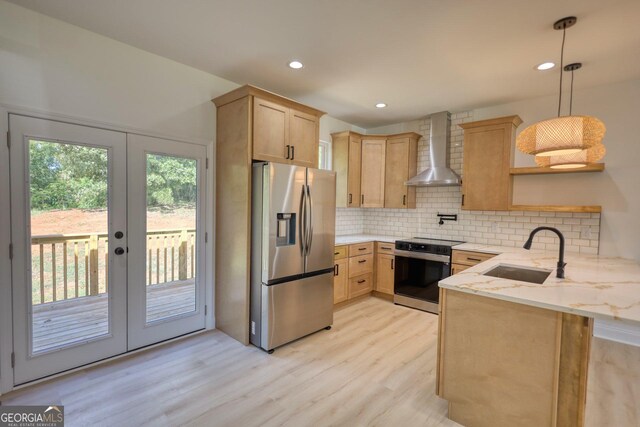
[(270, 131), (372, 175), (396, 173), (487, 183), (457, 268), (340, 281), (354, 169), (385, 265), (303, 138)]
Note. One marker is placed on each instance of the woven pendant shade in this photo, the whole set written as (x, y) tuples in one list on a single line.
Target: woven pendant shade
[(573, 161), (561, 136)]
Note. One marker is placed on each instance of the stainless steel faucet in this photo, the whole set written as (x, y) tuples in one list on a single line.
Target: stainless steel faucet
[(561, 263)]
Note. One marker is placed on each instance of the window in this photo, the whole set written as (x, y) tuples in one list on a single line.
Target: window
[(324, 155)]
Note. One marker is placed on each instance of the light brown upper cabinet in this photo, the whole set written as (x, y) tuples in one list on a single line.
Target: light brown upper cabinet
[(284, 134), (488, 157), (371, 169), (372, 173), (401, 164), (347, 157), (252, 124)]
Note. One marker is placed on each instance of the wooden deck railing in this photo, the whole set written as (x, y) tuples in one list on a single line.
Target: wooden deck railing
[(67, 266)]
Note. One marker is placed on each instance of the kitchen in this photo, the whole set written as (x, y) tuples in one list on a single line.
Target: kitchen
[(382, 351)]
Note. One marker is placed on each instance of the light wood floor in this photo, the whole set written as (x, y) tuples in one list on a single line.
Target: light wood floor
[(375, 367), (63, 322)]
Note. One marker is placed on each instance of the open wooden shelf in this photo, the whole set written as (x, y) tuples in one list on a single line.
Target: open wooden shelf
[(556, 208), (595, 167)]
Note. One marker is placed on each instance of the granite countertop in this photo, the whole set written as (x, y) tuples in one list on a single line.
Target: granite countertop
[(598, 287), (361, 238)]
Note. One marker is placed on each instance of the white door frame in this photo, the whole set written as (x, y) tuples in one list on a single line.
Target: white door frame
[(6, 323), (28, 365), (141, 333)]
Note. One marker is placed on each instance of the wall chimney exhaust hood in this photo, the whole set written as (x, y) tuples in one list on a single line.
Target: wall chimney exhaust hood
[(438, 174)]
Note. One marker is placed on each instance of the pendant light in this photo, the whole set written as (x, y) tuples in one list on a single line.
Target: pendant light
[(573, 160), (564, 134)]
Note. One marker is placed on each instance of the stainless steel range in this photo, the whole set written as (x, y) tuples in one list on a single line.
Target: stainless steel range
[(420, 264)]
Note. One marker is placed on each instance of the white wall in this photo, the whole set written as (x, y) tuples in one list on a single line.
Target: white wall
[(617, 188), (329, 125)]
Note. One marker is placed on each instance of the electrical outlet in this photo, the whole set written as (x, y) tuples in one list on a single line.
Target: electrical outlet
[(585, 233)]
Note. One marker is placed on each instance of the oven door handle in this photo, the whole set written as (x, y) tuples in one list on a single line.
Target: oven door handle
[(421, 255)]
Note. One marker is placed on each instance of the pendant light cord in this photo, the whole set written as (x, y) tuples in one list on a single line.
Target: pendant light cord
[(564, 33), (571, 96)]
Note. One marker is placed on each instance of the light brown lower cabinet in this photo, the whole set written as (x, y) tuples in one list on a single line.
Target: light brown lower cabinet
[(385, 265), (507, 364), (340, 281), (457, 268), (360, 285)]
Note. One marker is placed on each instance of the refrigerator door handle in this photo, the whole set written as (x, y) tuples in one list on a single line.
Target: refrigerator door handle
[(302, 234), (310, 223)]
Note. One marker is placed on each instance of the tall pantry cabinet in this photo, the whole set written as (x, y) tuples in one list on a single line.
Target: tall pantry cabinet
[(252, 124)]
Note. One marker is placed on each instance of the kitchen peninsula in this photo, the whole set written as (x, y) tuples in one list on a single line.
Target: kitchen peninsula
[(517, 353)]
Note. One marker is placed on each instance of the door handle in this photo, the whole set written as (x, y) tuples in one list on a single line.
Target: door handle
[(288, 151), (310, 225), (119, 251), (303, 223)]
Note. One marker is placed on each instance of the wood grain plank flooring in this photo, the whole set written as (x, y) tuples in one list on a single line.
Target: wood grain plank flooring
[(376, 367)]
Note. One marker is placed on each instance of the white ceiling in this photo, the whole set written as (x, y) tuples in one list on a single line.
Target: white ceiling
[(418, 56)]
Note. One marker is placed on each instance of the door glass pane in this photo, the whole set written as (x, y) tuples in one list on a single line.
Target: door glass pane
[(69, 246), (171, 236)]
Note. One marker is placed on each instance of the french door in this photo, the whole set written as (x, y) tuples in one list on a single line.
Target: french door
[(108, 243)]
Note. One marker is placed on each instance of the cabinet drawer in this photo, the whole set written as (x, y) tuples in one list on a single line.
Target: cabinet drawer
[(360, 285), (470, 258), (340, 252), (360, 265), (385, 248), (361, 249)]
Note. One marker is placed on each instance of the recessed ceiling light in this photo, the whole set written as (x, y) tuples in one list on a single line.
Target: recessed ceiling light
[(545, 66), (381, 105), (296, 65)]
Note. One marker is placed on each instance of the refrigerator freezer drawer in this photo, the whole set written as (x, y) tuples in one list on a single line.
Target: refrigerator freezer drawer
[(294, 309)]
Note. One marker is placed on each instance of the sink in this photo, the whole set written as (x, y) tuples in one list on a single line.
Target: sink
[(521, 274)]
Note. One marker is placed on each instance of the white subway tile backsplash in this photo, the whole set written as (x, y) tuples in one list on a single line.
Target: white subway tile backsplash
[(485, 227)]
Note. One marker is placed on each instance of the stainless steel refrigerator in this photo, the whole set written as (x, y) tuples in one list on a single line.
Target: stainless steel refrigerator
[(293, 238)]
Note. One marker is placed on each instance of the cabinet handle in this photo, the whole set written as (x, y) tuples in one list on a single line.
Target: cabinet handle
[(474, 259), (336, 269), (463, 200), (385, 248), (362, 249), (336, 253), (288, 151), (404, 200), (362, 199), (361, 261), (393, 262), (350, 198), (293, 152), (361, 281)]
